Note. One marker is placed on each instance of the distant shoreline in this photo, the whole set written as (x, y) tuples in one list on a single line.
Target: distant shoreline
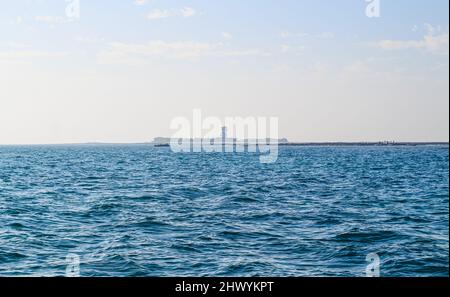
[(279, 144), (363, 144)]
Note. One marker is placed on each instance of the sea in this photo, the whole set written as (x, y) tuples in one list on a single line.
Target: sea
[(138, 210)]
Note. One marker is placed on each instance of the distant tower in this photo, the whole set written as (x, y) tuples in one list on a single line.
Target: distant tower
[(224, 135)]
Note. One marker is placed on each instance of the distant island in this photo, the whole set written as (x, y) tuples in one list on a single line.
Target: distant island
[(165, 142)]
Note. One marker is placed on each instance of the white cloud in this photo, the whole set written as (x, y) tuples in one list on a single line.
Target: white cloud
[(431, 29), (326, 35), (287, 34), (51, 19), (188, 12), (227, 35), (185, 12), (19, 56), (433, 42), (88, 39), (15, 45), (138, 53), (159, 14), (295, 49), (140, 2), (323, 35)]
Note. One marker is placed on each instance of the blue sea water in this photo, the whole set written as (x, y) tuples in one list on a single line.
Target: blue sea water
[(134, 210)]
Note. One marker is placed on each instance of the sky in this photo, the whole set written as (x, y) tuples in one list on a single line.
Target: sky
[(121, 71)]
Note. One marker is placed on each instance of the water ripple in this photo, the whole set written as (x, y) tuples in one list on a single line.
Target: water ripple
[(141, 211)]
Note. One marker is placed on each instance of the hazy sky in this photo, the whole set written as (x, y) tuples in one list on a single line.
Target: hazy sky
[(125, 69)]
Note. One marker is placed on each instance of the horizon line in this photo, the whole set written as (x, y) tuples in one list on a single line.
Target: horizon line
[(446, 142)]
